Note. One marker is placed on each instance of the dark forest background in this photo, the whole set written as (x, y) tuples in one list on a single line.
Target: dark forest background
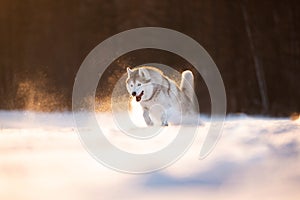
[(255, 44)]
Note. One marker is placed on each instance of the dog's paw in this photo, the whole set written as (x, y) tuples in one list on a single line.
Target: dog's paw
[(164, 123)]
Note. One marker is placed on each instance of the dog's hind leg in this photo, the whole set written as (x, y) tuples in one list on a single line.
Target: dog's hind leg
[(147, 117), (164, 119)]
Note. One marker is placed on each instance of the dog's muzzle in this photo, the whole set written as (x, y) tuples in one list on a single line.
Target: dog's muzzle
[(138, 97)]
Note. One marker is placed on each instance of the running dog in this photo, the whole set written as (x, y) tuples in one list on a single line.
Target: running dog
[(161, 98)]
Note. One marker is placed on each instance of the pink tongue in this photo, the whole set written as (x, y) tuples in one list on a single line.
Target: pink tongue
[(138, 98)]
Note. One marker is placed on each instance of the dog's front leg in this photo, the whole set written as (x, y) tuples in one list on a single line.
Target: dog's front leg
[(147, 117)]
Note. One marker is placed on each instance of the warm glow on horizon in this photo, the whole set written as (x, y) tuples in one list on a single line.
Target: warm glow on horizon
[(295, 116)]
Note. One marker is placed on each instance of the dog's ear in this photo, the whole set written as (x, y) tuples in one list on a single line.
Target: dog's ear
[(129, 71), (144, 73)]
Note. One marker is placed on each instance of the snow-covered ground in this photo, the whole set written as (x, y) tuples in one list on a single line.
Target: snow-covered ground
[(41, 157)]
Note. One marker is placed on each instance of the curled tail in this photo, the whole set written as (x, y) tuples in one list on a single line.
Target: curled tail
[(187, 84)]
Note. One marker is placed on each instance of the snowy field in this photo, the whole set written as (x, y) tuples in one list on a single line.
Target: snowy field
[(41, 157)]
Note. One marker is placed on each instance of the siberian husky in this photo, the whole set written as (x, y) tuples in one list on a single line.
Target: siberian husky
[(161, 98)]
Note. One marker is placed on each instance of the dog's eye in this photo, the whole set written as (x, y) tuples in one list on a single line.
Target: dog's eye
[(138, 84), (131, 85)]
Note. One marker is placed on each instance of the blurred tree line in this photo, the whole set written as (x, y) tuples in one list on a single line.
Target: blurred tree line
[(255, 44)]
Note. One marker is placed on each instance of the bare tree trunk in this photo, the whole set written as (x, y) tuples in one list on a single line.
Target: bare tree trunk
[(294, 36), (258, 67)]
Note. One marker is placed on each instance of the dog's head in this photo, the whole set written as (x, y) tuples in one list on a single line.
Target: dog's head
[(138, 83)]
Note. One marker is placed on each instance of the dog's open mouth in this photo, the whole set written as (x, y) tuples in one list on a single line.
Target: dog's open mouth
[(139, 97)]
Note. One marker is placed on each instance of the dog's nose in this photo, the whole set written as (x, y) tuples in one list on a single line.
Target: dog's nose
[(134, 93)]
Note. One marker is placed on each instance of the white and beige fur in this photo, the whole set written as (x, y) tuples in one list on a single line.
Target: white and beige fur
[(161, 98)]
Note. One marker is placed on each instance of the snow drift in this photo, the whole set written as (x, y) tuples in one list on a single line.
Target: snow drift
[(41, 157)]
